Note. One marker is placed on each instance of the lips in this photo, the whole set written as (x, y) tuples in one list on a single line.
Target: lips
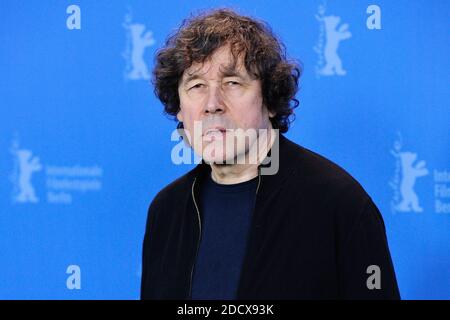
[(215, 129)]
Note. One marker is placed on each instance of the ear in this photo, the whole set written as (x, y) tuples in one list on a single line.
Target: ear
[(271, 113), (179, 116)]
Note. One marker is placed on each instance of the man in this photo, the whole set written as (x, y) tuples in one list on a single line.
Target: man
[(259, 217)]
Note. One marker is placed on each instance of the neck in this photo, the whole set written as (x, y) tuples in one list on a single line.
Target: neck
[(237, 173), (233, 173)]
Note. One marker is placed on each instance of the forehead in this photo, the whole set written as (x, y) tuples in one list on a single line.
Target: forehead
[(221, 63)]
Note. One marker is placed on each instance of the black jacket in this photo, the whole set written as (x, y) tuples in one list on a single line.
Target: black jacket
[(314, 233)]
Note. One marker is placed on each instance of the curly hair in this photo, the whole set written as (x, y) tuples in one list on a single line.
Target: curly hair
[(264, 57)]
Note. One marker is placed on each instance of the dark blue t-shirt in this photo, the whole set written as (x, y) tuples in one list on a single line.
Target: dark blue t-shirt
[(225, 215)]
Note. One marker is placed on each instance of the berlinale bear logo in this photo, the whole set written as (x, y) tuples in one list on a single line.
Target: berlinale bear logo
[(410, 173), (25, 164), (330, 36), (138, 41), (406, 174)]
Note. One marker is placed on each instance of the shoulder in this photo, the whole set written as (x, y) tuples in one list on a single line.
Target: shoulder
[(174, 189), (170, 197), (340, 195), (334, 195), (324, 181), (318, 172)]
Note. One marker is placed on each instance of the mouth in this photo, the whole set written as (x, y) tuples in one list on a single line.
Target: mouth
[(215, 130), (215, 133)]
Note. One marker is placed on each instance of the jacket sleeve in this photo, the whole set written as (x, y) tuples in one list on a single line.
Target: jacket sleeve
[(147, 262), (365, 267)]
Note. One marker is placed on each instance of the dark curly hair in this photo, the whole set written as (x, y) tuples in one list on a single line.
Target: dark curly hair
[(264, 57)]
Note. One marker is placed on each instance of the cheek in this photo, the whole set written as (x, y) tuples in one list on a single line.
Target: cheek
[(186, 110), (249, 113), (190, 115)]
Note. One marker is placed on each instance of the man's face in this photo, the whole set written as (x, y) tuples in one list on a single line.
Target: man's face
[(214, 95)]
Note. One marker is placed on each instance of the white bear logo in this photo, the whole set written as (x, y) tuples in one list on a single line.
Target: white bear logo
[(333, 36), (410, 172), (27, 165), (138, 42)]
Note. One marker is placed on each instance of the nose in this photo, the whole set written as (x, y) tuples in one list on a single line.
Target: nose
[(214, 103)]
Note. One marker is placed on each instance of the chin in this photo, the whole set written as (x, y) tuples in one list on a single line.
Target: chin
[(217, 159), (223, 159)]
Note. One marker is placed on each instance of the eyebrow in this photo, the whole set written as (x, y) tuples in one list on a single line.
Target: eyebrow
[(226, 72)]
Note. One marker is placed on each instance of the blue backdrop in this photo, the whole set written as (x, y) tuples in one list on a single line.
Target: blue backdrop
[(85, 145)]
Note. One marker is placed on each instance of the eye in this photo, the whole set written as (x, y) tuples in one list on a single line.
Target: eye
[(197, 86), (233, 83)]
